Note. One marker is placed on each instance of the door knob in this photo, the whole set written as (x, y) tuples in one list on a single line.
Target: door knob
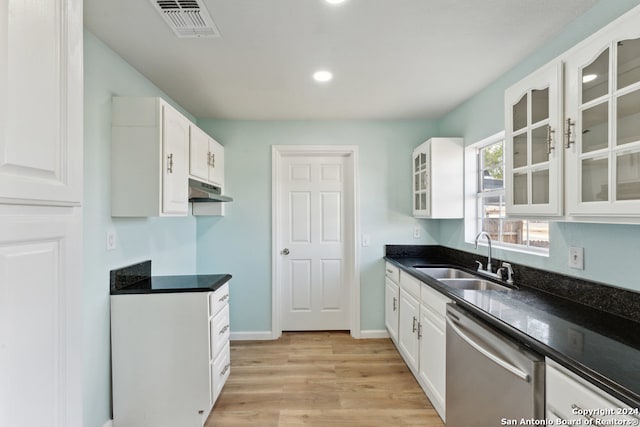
[(285, 251)]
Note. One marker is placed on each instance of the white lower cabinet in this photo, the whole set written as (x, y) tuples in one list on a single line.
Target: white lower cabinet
[(421, 337), (391, 301), (170, 357), (570, 400)]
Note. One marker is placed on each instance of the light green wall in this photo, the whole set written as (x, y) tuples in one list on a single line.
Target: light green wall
[(240, 243), (610, 250), (168, 242)]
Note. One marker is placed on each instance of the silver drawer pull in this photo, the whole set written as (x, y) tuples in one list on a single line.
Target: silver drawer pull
[(415, 327), (224, 298), (223, 330), (226, 368), (395, 303), (389, 271)]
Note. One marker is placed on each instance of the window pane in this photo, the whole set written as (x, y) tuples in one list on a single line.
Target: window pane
[(491, 165), (512, 232), (595, 173), (520, 150), (537, 233), (629, 118), (595, 128), (595, 78), (628, 66), (539, 105)]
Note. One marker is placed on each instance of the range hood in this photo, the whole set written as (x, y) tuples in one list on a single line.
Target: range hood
[(203, 192)]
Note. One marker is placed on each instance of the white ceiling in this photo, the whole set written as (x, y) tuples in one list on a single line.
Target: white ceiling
[(391, 59)]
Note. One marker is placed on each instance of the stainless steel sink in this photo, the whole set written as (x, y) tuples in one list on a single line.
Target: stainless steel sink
[(445, 273), (474, 284)]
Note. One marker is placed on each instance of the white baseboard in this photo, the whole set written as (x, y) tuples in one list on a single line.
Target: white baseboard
[(251, 336), (374, 333), (108, 424)]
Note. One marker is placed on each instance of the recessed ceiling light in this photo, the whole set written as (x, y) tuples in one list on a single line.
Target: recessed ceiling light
[(322, 76), (589, 78), (334, 1)]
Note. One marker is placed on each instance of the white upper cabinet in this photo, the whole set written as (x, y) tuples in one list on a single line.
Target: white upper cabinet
[(603, 117), (206, 157), (149, 159), (41, 102), (438, 170), (533, 144)]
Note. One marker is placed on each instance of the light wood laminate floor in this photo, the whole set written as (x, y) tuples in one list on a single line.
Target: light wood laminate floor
[(320, 379)]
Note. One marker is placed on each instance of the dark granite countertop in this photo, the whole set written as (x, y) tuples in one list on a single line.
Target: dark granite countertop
[(137, 279), (601, 347)]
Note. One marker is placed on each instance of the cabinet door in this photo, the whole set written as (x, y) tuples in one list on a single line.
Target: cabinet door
[(433, 357), (603, 118), (533, 144), (421, 182), (41, 102), (199, 154), (391, 305), (175, 146), (40, 317), (216, 172), (408, 328)]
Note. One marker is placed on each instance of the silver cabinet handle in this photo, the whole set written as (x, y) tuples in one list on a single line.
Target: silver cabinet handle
[(285, 251), (209, 158), (223, 330), (389, 271), (395, 303), (224, 298), (419, 330), (226, 368), (213, 160), (170, 163), (414, 324), (515, 371), (550, 145), (568, 133)]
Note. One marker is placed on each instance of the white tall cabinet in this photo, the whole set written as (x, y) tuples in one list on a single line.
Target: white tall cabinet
[(40, 213)]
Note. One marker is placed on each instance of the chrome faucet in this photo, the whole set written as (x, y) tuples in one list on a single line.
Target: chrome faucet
[(480, 269)]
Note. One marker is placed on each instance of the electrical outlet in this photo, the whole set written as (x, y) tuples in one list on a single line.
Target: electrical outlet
[(416, 232), (576, 258), (111, 240), (366, 240)]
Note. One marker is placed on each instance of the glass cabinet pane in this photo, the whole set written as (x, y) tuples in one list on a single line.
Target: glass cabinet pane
[(519, 188), (423, 201), (423, 161), (416, 163), (595, 174), (628, 124), (540, 187), (423, 180), (595, 78), (416, 201), (417, 182), (539, 145), (595, 128), (539, 105), (520, 113), (520, 150), (628, 62), (628, 177)]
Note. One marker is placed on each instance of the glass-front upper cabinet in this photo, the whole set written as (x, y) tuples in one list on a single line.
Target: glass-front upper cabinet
[(533, 144), (438, 172), (602, 125)]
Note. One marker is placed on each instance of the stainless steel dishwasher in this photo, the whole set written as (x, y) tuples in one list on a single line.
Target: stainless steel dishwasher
[(489, 376)]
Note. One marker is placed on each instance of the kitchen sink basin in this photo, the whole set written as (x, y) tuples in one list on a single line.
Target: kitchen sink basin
[(474, 284), (445, 273)]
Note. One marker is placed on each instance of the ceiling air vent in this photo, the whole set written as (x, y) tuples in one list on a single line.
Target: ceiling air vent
[(187, 18)]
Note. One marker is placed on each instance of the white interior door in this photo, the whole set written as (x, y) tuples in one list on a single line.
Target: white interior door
[(312, 251)]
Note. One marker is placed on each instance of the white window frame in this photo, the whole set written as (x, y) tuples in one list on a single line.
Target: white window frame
[(472, 220)]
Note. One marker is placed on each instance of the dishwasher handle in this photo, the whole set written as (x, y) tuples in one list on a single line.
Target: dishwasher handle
[(506, 365)]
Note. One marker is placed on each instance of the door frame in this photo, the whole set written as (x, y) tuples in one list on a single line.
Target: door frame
[(352, 255)]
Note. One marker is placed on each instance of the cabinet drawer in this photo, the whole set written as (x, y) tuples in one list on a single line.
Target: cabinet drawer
[(569, 397), (219, 331), (410, 284), (220, 371), (392, 272), (434, 300), (218, 299)]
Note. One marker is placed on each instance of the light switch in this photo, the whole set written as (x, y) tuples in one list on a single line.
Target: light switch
[(416, 232), (111, 240), (366, 240), (576, 258)]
